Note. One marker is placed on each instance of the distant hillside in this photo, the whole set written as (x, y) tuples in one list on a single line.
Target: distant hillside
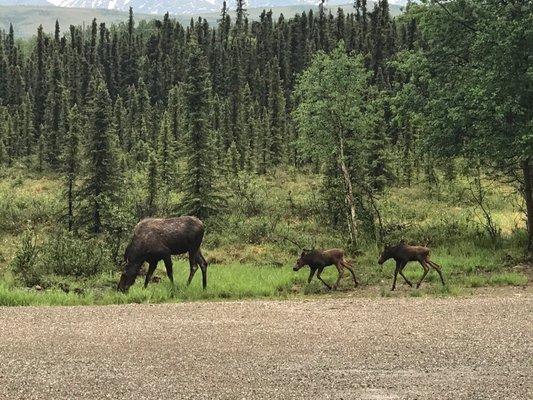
[(26, 19), (289, 11), (174, 7)]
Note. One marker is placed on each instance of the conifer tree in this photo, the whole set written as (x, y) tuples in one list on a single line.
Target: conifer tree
[(175, 110), (15, 86), (201, 197), (233, 160), (101, 183), (11, 140), (241, 14), (4, 82), (3, 136), (166, 153), (71, 161), (40, 151), (128, 56), (54, 118), (119, 122), (39, 85), (152, 183), (264, 144), (276, 105)]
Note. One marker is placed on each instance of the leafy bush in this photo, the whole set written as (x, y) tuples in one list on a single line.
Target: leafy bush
[(63, 254), (24, 264), (68, 255)]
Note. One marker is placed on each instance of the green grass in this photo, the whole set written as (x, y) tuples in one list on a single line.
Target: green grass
[(236, 281), (233, 282)]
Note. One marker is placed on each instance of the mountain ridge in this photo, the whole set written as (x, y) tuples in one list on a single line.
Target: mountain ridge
[(187, 7), (26, 19)]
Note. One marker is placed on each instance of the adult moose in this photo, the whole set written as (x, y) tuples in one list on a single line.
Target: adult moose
[(318, 260), (156, 239), (402, 254)]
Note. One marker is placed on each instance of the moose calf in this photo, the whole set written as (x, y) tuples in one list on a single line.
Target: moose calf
[(318, 260), (402, 254)]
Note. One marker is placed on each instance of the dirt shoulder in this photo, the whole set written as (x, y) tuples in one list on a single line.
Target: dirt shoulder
[(338, 348)]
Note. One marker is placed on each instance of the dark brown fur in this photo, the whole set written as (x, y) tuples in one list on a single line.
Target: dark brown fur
[(402, 254), (318, 260), (156, 239)]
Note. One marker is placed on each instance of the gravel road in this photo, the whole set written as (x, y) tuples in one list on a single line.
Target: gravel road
[(345, 348)]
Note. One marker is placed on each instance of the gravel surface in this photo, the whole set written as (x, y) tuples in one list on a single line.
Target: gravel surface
[(344, 348)]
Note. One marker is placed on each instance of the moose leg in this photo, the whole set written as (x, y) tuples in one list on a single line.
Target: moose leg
[(311, 274), (168, 266), (437, 268), (151, 269), (340, 268), (426, 270), (349, 267), (319, 277), (403, 276), (203, 266), (194, 266), (398, 268)]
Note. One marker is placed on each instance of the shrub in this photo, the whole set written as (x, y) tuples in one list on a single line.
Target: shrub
[(68, 255), (64, 254), (24, 264)]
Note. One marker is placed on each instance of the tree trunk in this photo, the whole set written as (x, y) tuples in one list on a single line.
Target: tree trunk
[(350, 200), (527, 167), (70, 205)]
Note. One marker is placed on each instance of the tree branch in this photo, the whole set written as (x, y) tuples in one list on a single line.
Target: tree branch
[(470, 28)]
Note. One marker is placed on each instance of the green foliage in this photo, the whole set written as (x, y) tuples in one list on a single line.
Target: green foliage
[(67, 255), (200, 192), (337, 120), (25, 260), (101, 184), (63, 254)]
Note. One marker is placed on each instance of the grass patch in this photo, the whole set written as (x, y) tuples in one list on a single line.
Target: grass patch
[(501, 279), (225, 282)]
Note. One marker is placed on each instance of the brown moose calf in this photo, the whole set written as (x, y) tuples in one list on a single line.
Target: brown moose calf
[(402, 254), (318, 260)]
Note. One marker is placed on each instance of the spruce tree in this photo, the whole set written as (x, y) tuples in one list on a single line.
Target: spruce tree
[(241, 14), (71, 160), (53, 117), (152, 183), (119, 122), (166, 154), (4, 81), (264, 144), (3, 136), (101, 184), (276, 105), (39, 85), (175, 110), (200, 194), (233, 161)]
